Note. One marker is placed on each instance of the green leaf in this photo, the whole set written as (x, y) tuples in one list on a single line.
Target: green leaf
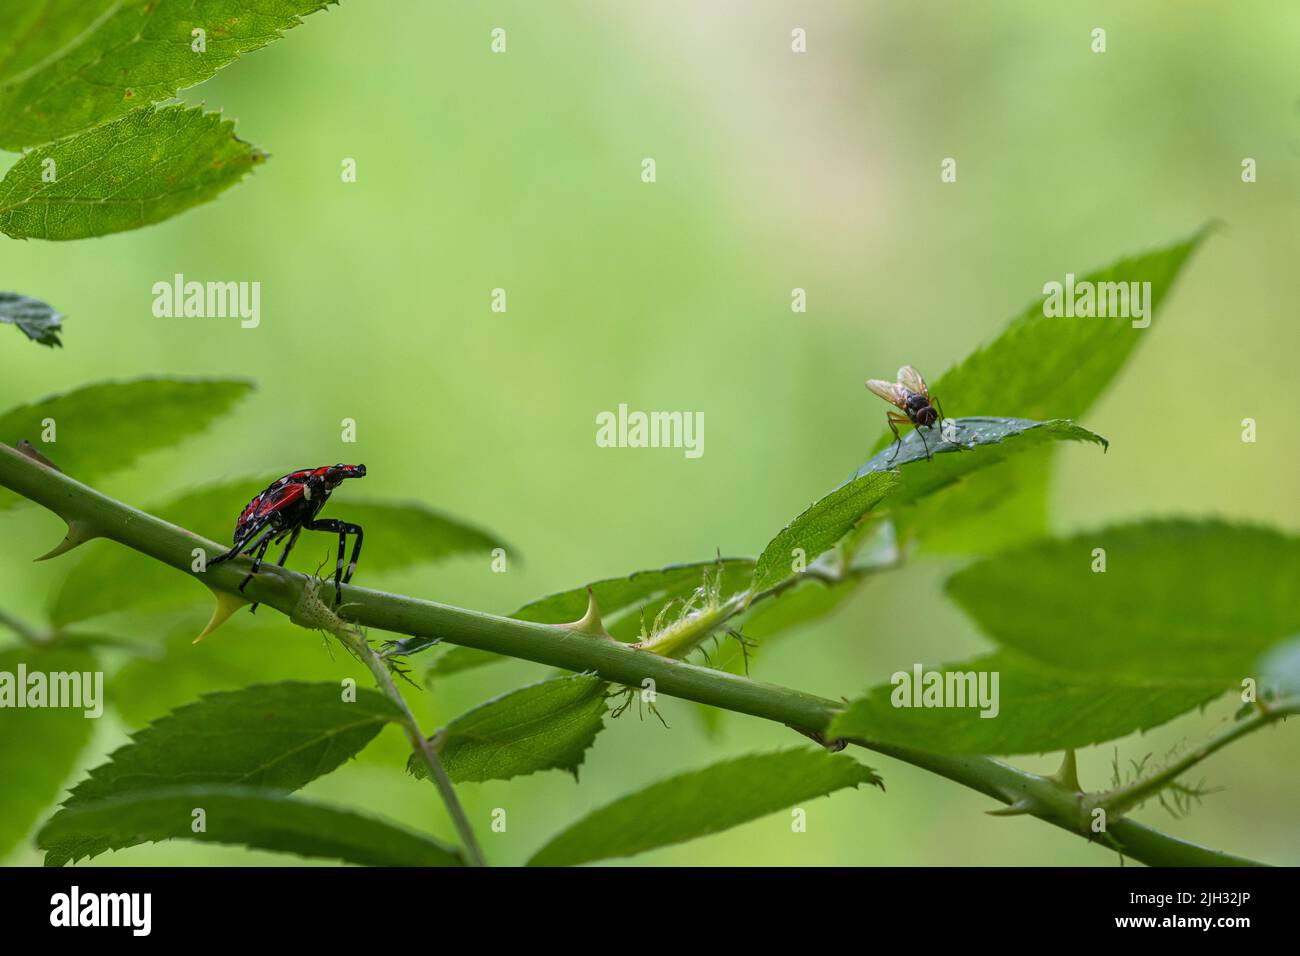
[(622, 601), (1041, 368), (66, 65), (34, 318), (247, 652), (36, 29), (970, 446), (103, 428), (821, 526), (110, 577), (246, 816), (141, 169), (1033, 709), (706, 801), (39, 746), (280, 736), (1178, 600), (544, 726)]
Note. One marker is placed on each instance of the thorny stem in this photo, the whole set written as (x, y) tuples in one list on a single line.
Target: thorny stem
[(575, 651), (681, 638), (359, 646), (1122, 799)]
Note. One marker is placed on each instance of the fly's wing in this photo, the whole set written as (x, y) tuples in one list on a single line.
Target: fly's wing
[(911, 380), (891, 392)]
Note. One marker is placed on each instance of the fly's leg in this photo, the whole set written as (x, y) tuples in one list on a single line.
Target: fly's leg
[(894, 422), (925, 445), (943, 418)]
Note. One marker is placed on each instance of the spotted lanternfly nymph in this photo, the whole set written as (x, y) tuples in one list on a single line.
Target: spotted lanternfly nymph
[(912, 395), (284, 509)]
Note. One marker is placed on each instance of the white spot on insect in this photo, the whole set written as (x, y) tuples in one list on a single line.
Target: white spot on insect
[(306, 492)]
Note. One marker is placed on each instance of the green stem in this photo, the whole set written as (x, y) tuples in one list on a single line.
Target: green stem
[(419, 743), (575, 651), (1122, 799)]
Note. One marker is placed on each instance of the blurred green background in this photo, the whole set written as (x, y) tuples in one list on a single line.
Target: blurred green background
[(775, 171)]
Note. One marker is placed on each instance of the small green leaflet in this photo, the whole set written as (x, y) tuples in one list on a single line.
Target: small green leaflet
[(1178, 599), (35, 319), (67, 65), (706, 801), (544, 726), (246, 816), (1034, 710), (277, 736), (39, 746), (819, 527), (104, 428), (110, 577), (138, 170)]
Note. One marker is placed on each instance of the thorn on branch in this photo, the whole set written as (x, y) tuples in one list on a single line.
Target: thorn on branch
[(227, 604), (590, 623), (79, 532)]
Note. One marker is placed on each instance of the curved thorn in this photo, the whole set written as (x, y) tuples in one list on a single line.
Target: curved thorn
[(1068, 774), (79, 532), (1016, 809), (227, 604), (590, 623)]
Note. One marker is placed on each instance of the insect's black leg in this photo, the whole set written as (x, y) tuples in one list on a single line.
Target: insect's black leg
[(898, 439), (356, 553), (338, 568), (293, 539), (342, 529), (924, 444), (261, 544), (224, 557), (942, 418), (251, 535)]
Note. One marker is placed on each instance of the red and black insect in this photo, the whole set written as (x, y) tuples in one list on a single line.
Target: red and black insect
[(284, 509)]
